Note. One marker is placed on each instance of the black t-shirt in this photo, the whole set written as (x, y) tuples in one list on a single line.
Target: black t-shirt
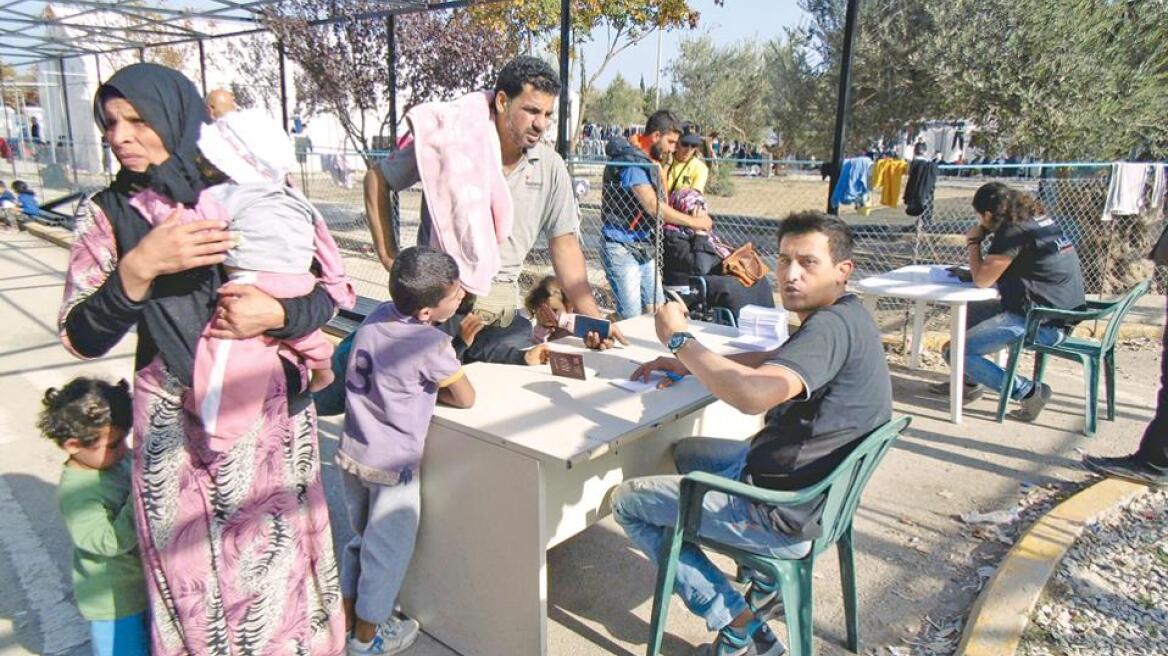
[(838, 354), (1045, 270)]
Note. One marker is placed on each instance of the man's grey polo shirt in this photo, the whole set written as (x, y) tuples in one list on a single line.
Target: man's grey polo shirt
[(541, 193)]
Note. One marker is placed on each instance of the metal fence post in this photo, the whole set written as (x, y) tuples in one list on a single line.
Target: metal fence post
[(845, 93), (68, 119), (391, 48), (563, 143), (202, 67), (283, 86), (7, 125)]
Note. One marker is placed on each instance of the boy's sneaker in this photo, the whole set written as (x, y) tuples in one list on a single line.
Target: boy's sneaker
[(392, 637), (756, 639), (1032, 405), (1128, 468), (764, 598)]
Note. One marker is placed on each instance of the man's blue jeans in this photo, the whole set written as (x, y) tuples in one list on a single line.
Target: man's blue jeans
[(631, 277), (646, 508), (992, 335)]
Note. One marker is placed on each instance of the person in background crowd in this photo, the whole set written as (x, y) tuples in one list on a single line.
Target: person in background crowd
[(220, 103), (27, 199), (687, 170), (8, 208)]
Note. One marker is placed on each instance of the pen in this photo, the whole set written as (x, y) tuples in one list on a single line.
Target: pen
[(672, 376)]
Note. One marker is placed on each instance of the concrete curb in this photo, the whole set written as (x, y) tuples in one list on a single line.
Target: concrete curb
[(59, 236), (1003, 609)]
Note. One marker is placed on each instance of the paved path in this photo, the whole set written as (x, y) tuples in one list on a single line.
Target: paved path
[(911, 551)]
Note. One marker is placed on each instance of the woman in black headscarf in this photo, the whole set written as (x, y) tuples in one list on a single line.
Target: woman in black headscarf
[(236, 545)]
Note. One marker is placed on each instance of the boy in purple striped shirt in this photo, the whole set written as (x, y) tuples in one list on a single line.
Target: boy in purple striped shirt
[(399, 367)]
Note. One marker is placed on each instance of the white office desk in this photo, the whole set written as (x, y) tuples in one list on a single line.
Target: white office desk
[(532, 464), (915, 283)]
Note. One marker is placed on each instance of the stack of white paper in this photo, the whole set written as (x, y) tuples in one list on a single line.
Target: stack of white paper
[(761, 328)]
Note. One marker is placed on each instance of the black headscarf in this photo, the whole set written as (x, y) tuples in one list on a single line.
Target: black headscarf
[(180, 304), (172, 106)]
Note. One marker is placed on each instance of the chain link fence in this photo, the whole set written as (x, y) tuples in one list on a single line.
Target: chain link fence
[(756, 196)]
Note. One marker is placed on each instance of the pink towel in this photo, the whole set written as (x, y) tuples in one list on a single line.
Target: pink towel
[(458, 155)]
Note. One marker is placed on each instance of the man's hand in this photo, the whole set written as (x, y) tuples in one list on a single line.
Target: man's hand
[(671, 318), (976, 235), (702, 221), (244, 312), (593, 341), (670, 365), (472, 324), (536, 355)]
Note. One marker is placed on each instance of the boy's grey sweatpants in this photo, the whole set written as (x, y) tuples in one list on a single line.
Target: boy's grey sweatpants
[(374, 563)]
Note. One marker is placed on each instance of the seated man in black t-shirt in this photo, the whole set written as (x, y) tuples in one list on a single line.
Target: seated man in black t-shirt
[(1032, 262), (823, 391)]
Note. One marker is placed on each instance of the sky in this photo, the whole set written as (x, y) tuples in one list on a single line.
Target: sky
[(737, 20)]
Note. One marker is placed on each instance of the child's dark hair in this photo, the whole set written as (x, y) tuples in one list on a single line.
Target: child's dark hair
[(420, 278), (21, 187), (539, 295), (80, 409)]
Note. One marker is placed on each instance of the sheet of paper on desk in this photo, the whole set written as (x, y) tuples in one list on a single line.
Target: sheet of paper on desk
[(636, 386), (760, 328), (944, 276)]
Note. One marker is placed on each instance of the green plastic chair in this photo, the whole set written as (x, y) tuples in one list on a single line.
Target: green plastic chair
[(842, 488), (1092, 354)]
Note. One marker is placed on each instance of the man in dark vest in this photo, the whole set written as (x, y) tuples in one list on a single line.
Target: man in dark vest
[(632, 197)]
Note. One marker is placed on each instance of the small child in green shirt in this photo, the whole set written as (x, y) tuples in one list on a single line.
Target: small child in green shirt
[(90, 419)]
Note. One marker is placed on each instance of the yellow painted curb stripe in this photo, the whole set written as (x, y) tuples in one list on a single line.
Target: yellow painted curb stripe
[(1002, 611)]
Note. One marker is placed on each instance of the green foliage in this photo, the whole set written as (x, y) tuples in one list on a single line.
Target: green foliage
[(620, 104), (718, 87), (1078, 79), (440, 55), (799, 109), (625, 23), (721, 181)]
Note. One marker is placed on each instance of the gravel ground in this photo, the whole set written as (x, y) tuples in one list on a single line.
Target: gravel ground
[(1110, 594), (996, 531)]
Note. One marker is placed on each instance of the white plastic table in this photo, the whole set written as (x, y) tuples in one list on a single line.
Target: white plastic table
[(915, 283), (532, 464)]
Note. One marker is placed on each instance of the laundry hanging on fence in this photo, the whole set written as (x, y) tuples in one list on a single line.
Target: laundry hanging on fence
[(887, 176), (1135, 187), (337, 166), (852, 188), (922, 180)]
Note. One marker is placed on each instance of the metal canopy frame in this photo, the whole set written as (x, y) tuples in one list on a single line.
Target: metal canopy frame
[(31, 33), (34, 31)]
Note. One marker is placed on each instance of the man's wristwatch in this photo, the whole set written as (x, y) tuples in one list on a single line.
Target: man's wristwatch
[(678, 340)]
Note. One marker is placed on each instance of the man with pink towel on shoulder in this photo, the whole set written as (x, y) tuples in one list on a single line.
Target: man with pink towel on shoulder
[(491, 188)]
